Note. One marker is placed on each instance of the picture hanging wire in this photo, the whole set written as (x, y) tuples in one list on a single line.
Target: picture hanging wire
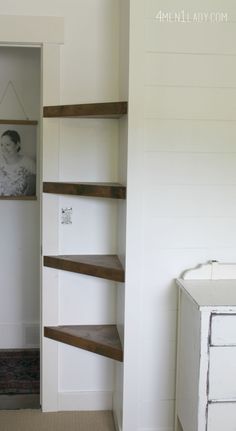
[(10, 84)]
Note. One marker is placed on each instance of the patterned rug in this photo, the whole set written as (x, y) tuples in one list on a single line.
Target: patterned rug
[(19, 371)]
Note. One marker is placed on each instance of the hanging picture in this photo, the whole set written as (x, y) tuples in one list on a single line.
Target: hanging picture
[(18, 152)]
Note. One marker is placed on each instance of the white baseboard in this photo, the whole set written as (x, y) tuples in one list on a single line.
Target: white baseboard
[(85, 400), (156, 429), (118, 427), (116, 422)]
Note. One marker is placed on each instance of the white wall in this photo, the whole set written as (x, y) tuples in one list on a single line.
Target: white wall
[(118, 398), (182, 137), (79, 150), (19, 220), (181, 187)]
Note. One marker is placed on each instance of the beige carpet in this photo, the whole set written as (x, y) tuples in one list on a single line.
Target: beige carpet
[(34, 420)]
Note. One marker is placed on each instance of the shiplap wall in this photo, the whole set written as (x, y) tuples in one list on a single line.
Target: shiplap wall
[(186, 149), (181, 179)]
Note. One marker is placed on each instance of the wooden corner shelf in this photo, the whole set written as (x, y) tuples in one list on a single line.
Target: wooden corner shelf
[(88, 110), (101, 266), (20, 122), (101, 339), (102, 190), (18, 198)]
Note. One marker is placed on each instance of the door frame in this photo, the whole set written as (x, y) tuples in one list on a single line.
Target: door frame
[(46, 33)]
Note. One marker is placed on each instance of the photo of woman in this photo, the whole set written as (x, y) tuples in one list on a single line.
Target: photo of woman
[(17, 170)]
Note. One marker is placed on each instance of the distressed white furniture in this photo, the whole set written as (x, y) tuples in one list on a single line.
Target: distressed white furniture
[(206, 353)]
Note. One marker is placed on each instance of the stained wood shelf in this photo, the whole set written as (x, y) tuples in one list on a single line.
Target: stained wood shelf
[(101, 339), (19, 122), (102, 190), (88, 110), (18, 198), (101, 266)]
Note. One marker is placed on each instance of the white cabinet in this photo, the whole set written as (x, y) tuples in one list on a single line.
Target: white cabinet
[(223, 330), (221, 417), (222, 374), (206, 359)]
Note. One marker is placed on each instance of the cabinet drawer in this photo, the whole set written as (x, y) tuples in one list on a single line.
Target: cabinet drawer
[(222, 416), (222, 373), (223, 330)]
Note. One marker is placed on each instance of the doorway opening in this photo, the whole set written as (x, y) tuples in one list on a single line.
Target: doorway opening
[(20, 227)]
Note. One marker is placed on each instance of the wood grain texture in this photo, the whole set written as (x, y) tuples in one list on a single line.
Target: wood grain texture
[(23, 122), (101, 339), (88, 110), (18, 198), (102, 190), (101, 266)]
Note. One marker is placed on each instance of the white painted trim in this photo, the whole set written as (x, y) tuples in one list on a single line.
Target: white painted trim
[(85, 400), (116, 421), (203, 370), (48, 33), (155, 429), (177, 354), (50, 297), (134, 240), (31, 29)]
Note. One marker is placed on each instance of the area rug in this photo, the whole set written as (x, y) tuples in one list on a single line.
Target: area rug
[(19, 371)]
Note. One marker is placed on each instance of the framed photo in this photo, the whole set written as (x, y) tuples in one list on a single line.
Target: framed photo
[(18, 151)]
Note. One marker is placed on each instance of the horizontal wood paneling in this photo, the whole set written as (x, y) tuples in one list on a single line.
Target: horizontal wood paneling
[(169, 264), (172, 232), (190, 70), (188, 173), (153, 6), (204, 38), (162, 289), (161, 325), (189, 136), (190, 200), (164, 359), (189, 168), (190, 103)]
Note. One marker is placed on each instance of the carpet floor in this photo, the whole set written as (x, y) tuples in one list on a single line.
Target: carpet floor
[(34, 420)]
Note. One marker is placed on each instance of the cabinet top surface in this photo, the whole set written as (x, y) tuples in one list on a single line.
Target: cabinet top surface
[(210, 293)]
